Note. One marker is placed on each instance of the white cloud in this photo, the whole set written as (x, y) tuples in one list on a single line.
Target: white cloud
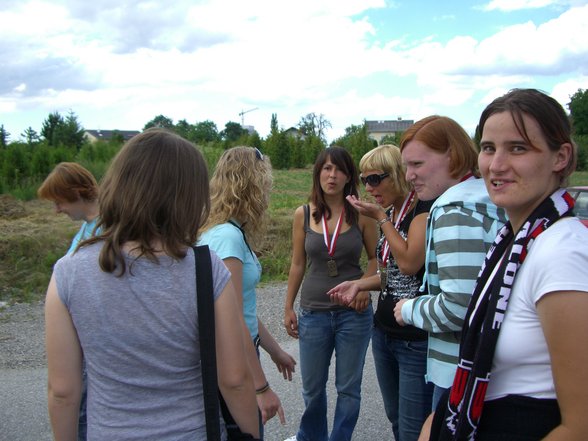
[(558, 46), (126, 61), (563, 91), (516, 5)]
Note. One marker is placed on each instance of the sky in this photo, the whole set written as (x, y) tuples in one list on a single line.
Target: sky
[(117, 64)]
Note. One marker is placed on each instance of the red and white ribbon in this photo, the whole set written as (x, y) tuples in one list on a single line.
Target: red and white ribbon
[(403, 212), (333, 244)]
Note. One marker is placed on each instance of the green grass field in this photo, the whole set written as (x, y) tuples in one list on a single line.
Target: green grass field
[(579, 178), (33, 237)]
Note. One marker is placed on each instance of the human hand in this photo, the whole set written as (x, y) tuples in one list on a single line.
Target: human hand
[(269, 404), (426, 429), (285, 363), (291, 322), (344, 293), (361, 302), (368, 209), (398, 312)]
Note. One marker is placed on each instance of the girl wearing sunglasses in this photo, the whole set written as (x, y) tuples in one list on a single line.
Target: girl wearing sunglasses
[(400, 352)]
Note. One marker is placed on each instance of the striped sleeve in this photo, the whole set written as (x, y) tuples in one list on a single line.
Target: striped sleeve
[(459, 242)]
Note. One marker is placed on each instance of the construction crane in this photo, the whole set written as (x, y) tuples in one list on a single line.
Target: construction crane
[(242, 115)]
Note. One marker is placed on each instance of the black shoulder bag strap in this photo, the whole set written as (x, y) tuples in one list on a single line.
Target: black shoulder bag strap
[(206, 331)]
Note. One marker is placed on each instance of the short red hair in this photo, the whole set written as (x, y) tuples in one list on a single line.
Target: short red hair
[(69, 182), (443, 134)]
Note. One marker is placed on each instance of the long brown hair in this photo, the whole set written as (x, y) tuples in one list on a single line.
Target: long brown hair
[(156, 189)]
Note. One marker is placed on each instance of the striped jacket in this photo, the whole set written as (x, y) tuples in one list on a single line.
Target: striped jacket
[(461, 227)]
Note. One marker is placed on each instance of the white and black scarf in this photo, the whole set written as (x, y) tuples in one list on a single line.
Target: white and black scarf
[(486, 313)]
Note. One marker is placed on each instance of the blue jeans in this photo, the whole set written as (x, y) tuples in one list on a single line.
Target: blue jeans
[(437, 395), (401, 367), (320, 333)]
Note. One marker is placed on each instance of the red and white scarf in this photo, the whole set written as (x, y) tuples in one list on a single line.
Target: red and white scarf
[(486, 313)]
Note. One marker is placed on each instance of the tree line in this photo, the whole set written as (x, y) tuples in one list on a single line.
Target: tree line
[(26, 162)]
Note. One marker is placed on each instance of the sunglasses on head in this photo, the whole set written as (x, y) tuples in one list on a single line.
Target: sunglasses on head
[(374, 180), (258, 154)]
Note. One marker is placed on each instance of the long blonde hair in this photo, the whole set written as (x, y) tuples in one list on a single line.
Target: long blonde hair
[(239, 189)]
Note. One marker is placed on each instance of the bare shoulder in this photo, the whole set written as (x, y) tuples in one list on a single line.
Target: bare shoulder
[(299, 211), (365, 221)]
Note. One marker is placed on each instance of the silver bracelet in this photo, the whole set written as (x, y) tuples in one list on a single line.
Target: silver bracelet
[(383, 221)]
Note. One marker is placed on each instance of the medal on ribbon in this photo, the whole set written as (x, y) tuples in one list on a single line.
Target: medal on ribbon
[(331, 263)]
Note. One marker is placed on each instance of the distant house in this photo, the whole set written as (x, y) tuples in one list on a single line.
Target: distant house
[(106, 135), (250, 129), (295, 133), (379, 129)]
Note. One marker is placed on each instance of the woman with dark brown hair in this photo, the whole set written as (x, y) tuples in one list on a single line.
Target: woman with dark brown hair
[(328, 236), (127, 300), (523, 369)]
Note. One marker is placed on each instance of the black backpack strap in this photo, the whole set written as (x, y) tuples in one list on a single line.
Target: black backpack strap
[(206, 334)]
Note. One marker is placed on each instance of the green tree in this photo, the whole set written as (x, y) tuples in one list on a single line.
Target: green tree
[(205, 131), (274, 123), (356, 141), (582, 144), (578, 106), (254, 140), (66, 131), (185, 129), (16, 162), (50, 128), (389, 139), (117, 138), (4, 135), (41, 163), (314, 125), (232, 132), (276, 145), (30, 136), (71, 132), (297, 157), (311, 147), (160, 121)]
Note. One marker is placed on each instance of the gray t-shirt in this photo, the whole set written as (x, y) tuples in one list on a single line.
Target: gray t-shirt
[(139, 334)]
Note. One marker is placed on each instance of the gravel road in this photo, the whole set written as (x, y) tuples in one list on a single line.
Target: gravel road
[(23, 376)]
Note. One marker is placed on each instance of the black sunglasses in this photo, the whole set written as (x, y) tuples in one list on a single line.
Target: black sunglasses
[(374, 180), (258, 154)]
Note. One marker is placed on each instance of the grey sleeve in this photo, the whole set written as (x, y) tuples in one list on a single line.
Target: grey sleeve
[(220, 274)]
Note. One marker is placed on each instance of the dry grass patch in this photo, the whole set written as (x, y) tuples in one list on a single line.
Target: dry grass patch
[(32, 238)]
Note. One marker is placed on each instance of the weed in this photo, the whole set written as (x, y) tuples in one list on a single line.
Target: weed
[(33, 237)]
